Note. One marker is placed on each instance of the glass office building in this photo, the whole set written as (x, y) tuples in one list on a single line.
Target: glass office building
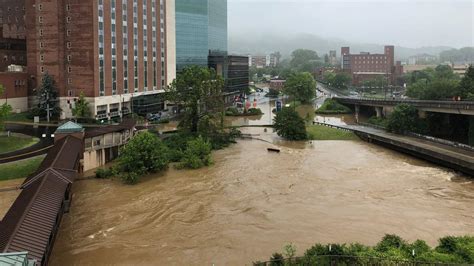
[(201, 30)]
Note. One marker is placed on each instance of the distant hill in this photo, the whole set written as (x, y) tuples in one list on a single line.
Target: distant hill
[(267, 42)]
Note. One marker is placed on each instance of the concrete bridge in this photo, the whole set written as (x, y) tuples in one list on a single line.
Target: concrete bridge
[(385, 106)]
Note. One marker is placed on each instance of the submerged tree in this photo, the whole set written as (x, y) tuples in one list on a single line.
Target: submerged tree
[(199, 91), (290, 125)]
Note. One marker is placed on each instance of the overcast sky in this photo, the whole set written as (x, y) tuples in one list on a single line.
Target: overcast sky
[(410, 23)]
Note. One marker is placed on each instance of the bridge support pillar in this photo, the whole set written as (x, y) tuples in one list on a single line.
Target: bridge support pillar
[(379, 111), (421, 114), (471, 130), (357, 111)]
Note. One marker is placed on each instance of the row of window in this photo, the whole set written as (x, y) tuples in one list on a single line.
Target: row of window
[(13, 58)]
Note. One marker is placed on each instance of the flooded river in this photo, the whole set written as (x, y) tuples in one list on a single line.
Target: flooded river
[(251, 203)]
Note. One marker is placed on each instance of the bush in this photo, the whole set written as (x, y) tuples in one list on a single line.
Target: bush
[(390, 241), (197, 154), (290, 125), (36, 112), (104, 173), (378, 121), (144, 154), (232, 111), (254, 111), (331, 106)]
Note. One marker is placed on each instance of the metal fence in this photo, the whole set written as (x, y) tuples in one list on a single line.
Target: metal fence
[(341, 260)]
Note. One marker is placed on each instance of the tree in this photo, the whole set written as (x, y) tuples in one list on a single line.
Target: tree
[(81, 109), (438, 89), (197, 154), (304, 60), (143, 154), (342, 81), (5, 109), (199, 90), (48, 94), (404, 119), (444, 72), (301, 86), (289, 125), (466, 86)]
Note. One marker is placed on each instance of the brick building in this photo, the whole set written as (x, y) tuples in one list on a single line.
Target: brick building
[(112, 50), (13, 76), (366, 66)]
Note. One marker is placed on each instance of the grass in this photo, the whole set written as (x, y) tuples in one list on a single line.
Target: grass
[(12, 143), (331, 106), (20, 117), (19, 169), (318, 132)]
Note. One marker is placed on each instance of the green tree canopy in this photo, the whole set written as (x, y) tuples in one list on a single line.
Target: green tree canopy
[(81, 109), (466, 86), (304, 60), (341, 81), (143, 154), (48, 96), (289, 125), (438, 89), (5, 109), (301, 86), (199, 90), (404, 119)]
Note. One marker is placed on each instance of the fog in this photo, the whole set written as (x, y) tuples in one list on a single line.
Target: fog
[(403, 23)]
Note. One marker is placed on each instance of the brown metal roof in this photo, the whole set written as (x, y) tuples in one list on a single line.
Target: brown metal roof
[(33, 218), (125, 125)]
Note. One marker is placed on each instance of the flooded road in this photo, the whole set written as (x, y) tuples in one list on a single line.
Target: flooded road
[(251, 203)]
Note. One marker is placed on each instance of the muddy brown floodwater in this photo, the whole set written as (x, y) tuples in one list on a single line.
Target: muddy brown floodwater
[(251, 203)]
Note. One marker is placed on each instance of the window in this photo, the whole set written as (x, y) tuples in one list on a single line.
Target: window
[(68, 7), (69, 57), (42, 69), (41, 58), (68, 19), (69, 69), (40, 7), (40, 19), (41, 32), (68, 44), (68, 33), (69, 81), (41, 45)]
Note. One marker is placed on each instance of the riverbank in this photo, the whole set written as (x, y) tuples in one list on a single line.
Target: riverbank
[(318, 132), (20, 169), (16, 142)]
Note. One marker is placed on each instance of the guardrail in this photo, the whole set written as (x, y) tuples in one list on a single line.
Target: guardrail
[(465, 105)]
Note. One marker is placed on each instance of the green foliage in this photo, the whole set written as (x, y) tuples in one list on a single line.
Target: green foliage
[(331, 106), (304, 60), (272, 93), (438, 89), (391, 249), (290, 250), (48, 95), (290, 125), (318, 132), (254, 111), (143, 154), (339, 81), (465, 54), (104, 173), (404, 119), (377, 82), (5, 110), (301, 87), (41, 113), (232, 111), (197, 154), (277, 259), (378, 121), (199, 90), (466, 86), (81, 108)]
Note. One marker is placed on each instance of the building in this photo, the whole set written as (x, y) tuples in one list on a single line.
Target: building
[(261, 61), (333, 58), (460, 69), (366, 66), (15, 83), (201, 31), (235, 70), (113, 51), (277, 84)]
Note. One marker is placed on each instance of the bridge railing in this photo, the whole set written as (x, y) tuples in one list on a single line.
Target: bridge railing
[(467, 105)]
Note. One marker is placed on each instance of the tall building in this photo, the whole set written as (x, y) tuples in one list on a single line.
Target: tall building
[(235, 70), (365, 66), (201, 31), (13, 74), (114, 51)]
